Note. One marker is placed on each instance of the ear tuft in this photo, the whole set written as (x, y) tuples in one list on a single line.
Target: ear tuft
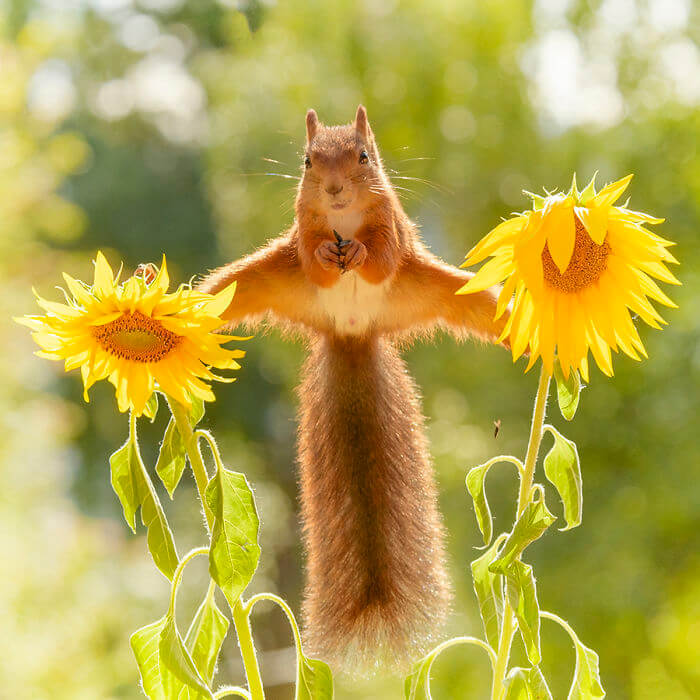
[(311, 124), (361, 122)]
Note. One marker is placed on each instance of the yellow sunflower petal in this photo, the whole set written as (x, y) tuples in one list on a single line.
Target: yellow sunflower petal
[(595, 221), (490, 274), (104, 277), (611, 193), (600, 350), (502, 234), (220, 301), (651, 289), (636, 216), (559, 229), (505, 296), (657, 270), (583, 366)]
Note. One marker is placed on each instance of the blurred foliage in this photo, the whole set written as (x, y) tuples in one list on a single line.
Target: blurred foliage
[(144, 126)]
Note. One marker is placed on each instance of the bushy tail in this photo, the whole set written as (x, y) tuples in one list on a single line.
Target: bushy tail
[(377, 592)]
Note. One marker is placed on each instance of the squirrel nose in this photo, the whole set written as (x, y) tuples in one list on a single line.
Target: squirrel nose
[(334, 189)]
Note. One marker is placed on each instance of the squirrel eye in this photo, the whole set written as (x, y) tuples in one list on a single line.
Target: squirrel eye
[(307, 162), (364, 158)]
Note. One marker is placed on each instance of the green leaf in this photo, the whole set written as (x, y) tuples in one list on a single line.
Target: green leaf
[(172, 455), (526, 684), (537, 199), (530, 526), (568, 390), (133, 486), (159, 536), (151, 410), (586, 684), (475, 486), (127, 480), (144, 644), (522, 596), (314, 680), (179, 674), (206, 635), (589, 191), (416, 686), (488, 587), (171, 458), (563, 469), (234, 551), (197, 410)]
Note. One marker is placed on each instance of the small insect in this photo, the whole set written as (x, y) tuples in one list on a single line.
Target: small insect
[(341, 243), (146, 270), (496, 427)]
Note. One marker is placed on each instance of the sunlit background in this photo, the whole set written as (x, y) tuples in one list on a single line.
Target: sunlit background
[(151, 126)]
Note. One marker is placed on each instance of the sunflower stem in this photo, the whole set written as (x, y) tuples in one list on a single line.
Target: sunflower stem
[(195, 456), (524, 496), (239, 612)]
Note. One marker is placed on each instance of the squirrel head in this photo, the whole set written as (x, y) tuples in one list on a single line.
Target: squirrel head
[(341, 169)]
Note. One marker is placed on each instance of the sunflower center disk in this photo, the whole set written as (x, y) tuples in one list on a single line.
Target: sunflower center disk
[(587, 264), (137, 338)]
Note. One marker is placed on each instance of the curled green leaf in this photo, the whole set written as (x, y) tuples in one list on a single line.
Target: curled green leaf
[(206, 635), (530, 526), (417, 686), (179, 675), (144, 643), (476, 487), (314, 680), (171, 458), (151, 409), (586, 683), (133, 486), (521, 591), (568, 390), (127, 480), (488, 587), (526, 684), (563, 469)]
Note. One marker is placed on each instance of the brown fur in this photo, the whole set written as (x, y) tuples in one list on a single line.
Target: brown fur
[(377, 591)]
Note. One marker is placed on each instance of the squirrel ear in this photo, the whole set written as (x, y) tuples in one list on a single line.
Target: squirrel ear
[(362, 123), (311, 124)]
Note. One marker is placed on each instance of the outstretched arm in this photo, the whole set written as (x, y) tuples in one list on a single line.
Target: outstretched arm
[(423, 298), (270, 286)]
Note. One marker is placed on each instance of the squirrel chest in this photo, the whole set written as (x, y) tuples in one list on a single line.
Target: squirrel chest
[(352, 303)]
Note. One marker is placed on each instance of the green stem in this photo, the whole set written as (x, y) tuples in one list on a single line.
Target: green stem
[(195, 456), (240, 617), (245, 642), (292, 622), (287, 611), (562, 623), (526, 477), (533, 445), (178, 572)]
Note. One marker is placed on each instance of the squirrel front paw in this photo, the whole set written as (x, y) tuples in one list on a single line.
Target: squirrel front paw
[(353, 255), (328, 255)]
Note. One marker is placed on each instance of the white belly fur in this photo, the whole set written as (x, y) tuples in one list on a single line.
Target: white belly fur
[(351, 303)]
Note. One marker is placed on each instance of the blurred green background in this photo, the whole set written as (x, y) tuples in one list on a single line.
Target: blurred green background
[(147, 126)]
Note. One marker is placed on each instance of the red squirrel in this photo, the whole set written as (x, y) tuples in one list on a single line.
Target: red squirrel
[(353, 276)]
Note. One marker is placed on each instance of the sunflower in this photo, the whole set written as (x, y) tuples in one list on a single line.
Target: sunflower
[(575, 266), (137, 336)]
